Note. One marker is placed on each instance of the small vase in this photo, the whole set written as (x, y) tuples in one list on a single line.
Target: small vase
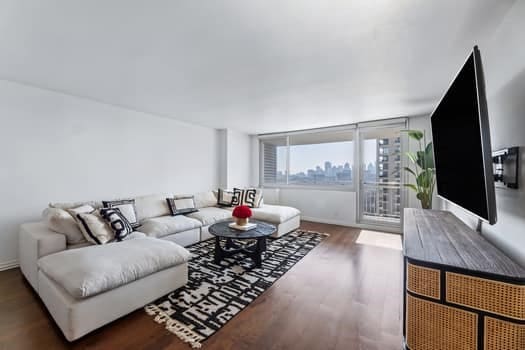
[(241, 221)]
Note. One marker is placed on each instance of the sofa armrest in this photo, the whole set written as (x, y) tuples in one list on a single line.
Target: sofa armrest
[(35, 241)]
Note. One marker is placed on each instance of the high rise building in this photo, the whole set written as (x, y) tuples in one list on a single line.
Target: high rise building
[(327, 166), (389, 176)]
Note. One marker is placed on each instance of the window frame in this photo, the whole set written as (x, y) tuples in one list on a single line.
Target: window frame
[(343, 188)]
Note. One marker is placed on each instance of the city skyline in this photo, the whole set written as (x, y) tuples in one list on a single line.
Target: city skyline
[(323, 168), (305, 157)]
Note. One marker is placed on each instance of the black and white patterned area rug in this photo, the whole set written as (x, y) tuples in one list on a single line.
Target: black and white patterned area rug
[(214, 293)]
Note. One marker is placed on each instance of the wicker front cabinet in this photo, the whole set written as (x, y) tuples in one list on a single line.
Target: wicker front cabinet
[(450, 307)]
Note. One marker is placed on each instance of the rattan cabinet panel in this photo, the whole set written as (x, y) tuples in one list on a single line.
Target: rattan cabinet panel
[(423, 281), (432, 326), (496, 297), (460, 291), (500, 335)]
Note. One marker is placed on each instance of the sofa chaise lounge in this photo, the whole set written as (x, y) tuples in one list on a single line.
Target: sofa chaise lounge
[(86, 286)]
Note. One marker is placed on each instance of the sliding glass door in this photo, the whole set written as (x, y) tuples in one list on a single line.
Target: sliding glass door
[(380, 195)]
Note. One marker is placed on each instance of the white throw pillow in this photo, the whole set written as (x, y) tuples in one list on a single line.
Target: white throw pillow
[(80, 210), (95, 228), (71, 205), (61, 221)]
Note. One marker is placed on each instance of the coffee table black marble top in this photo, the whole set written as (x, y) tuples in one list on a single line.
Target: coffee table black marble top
[(221, 230)]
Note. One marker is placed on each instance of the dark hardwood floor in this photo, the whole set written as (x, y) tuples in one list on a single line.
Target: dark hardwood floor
[(342, 295)]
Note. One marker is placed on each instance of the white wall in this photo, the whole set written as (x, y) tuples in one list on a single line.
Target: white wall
[(254, 161), (332, 207), (504, 64), (235, 150), (238, 159), (56, 147), (222, 149)]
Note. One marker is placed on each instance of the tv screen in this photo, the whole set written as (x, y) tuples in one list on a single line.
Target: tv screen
[(461, 137)]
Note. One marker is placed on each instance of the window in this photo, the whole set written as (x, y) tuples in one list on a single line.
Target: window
[(274, 160), (316, 159)]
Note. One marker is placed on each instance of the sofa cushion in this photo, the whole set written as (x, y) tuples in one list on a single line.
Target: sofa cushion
[(210, 215), (152, 206), (205, 199), (117, 222), (95, 269), (180, 205), (71, 205), (167, 225), (132, 235), (86, 208), (225, 198), (275, 214), (249, 196), (61, 221), (126, 207), (95, 228)]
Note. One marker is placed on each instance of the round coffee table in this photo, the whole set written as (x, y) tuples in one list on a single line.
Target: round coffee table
[(221, 230)]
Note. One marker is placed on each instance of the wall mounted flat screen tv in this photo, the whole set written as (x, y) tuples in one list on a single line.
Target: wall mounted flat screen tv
[(461, 137)]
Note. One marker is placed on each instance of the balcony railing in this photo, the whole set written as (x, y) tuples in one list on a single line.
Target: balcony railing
[(382, 201)]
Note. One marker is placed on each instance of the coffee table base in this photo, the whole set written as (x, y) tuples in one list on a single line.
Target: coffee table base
[(254, 251)]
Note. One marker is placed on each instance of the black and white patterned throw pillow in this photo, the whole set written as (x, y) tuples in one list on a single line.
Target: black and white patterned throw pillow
[(181, 205), (251, 197), (225, 198), (238, 197), (127, 208), (117, 222)]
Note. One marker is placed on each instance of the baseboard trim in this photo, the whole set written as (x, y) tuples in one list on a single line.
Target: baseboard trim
[(356, 225), (7, 265)]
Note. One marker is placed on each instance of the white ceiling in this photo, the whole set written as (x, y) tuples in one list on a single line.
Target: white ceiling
[(252, 65)]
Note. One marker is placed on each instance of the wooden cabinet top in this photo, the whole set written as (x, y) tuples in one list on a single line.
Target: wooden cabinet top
[(439, 237)]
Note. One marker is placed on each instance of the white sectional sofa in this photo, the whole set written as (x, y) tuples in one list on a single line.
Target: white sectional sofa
[(86, 286)]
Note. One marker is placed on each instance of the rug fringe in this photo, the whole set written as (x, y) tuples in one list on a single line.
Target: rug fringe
[(180, 330)]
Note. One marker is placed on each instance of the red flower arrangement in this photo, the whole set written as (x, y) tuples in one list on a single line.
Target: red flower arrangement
[(242, 212), (241, 215)]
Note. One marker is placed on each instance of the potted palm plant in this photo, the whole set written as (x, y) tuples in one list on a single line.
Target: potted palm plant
[(423, 169)]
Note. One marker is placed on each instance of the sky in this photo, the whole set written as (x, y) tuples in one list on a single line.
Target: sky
[(304, 157)]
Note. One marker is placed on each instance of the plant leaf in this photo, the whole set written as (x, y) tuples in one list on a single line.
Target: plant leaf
[(424, 179), (429, 155), (412, 186), (412, 156), (407, 169), (415, 134), (421, 159)]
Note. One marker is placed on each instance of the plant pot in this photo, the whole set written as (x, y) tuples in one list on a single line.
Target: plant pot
[(426, 205), (241, 221)]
